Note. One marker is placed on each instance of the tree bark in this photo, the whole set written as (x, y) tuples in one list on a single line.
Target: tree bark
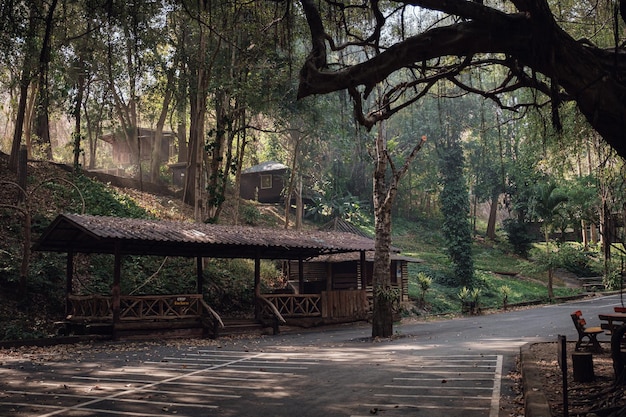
[(80, 90), (382, 319), (25, 81), (43, 122), (155, 159), (491, 222)]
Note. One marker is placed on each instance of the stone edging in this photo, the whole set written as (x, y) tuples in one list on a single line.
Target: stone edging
[(535, 402)]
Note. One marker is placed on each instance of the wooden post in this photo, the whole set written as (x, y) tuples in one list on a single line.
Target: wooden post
[(582, 366), (69, 274), (257, 286), (562, 359), (199, 275), (116, 290), (329, 276), (301, 275), (363, 271)]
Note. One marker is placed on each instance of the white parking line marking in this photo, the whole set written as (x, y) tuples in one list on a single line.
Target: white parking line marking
[(164, 382), (125, 400), (149, 385), (97, 410), (474, 386)]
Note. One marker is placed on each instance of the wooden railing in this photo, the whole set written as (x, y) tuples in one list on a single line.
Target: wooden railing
[(140, 307), (160, 307), (291, 306), (269, 309), (328, 304), (89, 307)]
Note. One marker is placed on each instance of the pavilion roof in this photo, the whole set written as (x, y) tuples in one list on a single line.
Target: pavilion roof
[(99, 234)]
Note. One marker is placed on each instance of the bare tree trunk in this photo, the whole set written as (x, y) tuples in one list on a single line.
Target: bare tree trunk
[(25, 80), (296, 139), (299, 205), (19, 123), (80, 90), (384, 195), (382, 320), (550, 269), (155, 160), (43, 122), (491, 222), (30, 116), (241, 148)]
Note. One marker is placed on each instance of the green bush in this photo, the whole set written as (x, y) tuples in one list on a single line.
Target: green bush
[(250, 215), (575, 259), (229, 284), (518, 236)]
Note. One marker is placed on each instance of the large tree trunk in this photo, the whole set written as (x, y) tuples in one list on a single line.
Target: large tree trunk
[(80, 90), (43, 122), (155, 156), (382, 320), (25, 81), (491, 222), (296, 138)]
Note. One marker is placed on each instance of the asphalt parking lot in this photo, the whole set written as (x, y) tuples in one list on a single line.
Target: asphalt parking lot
[(358, 379), (437, 368)]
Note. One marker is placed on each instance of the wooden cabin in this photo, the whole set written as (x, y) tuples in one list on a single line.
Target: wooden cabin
[(264, 182), (124, 154), (340, 272)]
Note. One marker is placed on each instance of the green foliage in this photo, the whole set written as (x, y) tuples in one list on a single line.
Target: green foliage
[(612, 278), (250, 215), (571, 257), (424, 282), (505, 292), (518, 236), (576, 259), (102, 200), (20, 330), (464, 294), (327, 206), (455, 209), (229, 284)]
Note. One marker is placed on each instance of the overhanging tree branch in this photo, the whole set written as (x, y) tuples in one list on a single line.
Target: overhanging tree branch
[(528, 36)]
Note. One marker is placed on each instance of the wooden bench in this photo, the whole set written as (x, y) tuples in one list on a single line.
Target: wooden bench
[(584, 332), (592, 283)]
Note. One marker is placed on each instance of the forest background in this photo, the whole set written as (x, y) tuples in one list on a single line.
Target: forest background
[(224, 77)]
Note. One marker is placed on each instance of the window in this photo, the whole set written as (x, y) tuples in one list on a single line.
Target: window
[(266, 181)]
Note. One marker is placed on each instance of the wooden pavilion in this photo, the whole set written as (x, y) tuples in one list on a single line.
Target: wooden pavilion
[(125, 314)]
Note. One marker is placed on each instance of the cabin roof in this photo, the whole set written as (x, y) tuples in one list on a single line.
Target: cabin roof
[(143, 132), (268, 166), (355, 256), (99, 234)]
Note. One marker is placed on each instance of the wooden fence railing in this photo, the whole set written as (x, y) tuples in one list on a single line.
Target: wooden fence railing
[(137, 308), (89, 307), (294, 305), (328, 304)]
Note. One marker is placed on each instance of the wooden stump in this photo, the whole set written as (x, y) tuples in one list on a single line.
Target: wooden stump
[(582, 366)]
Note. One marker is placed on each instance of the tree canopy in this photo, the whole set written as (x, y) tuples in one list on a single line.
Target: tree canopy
[(409, 45)]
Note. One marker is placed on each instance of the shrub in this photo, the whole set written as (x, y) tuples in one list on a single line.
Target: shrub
[(518, 236), (424, 282), (250, 215)]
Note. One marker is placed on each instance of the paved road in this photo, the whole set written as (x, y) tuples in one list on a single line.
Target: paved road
[(436, 368)]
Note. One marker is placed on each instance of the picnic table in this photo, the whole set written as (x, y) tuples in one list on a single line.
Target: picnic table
[(611, 321)]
